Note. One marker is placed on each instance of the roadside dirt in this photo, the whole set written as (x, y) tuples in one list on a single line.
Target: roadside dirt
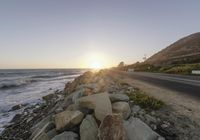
[(182, 110)]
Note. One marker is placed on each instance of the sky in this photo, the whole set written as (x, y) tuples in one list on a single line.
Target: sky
[(90, 33)]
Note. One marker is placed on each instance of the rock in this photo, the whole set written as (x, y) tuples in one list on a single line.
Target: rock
[(153, 113), (118, 97), (161, 138), (150, 119), (77, 94), (42, 136), (91, 86), (25, 113), (101, 84), (122, 108), (66, 136), (135, 109), (50, 97), (122, 91), (16, 118), (68, 119), (88, 92), (41, 124), (141, 117), (52, 133), (111, 89), (29, 119), (89, 129), (164, 126), (83, 90), (142, 112), (67, 101), (99, 102), (130, 90), (59, 109), (17, 107), (37, 106), (153, 126), (112, 128), (73, 107), (42, 131), (137, 130)]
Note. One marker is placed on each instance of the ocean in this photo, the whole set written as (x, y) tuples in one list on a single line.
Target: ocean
[(29, 86)]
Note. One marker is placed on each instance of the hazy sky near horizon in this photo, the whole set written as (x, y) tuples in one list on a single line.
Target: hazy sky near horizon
[(68, 33)]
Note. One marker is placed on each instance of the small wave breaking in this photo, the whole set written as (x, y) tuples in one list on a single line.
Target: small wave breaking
[(16, 83)]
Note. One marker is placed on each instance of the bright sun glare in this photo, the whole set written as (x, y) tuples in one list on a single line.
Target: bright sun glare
[(96, 65), (97, 60)]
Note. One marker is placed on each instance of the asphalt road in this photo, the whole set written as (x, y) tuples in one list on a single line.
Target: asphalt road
[(184, 84)]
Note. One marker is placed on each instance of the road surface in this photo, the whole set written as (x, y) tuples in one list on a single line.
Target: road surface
[(189, 85)]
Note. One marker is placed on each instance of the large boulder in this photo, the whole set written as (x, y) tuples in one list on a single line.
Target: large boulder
[(99, 102), (121, 108), (67, 101), (52, 133), (112, 128), (73, 107), (89, 129), (77, 94), (68, 119), (82, 90), (138, 130), (66, 136), (118, 97)]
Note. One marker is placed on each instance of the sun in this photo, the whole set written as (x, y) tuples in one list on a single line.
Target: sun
[(96, 60), (96, 65)]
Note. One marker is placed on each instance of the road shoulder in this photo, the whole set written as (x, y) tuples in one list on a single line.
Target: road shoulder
[(181, 109)]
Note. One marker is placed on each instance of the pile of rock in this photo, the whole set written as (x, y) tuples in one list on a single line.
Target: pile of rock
[(20, 126), (92, 107), (107, 121), (94, 111)]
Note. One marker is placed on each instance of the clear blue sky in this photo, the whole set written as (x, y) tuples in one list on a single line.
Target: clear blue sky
[(64, 33)]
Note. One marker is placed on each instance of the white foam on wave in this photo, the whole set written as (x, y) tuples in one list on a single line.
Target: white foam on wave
[(29, 93)]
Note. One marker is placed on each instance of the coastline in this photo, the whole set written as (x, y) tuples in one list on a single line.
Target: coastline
[(113, 96), (20, 89)]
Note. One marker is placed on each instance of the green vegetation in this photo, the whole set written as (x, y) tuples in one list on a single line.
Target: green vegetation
[(145, 101), (140, 67), (180, 69), (185, 69), (146, 67), (123, 83)]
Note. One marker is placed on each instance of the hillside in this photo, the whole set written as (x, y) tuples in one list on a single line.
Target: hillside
[(185, 50)]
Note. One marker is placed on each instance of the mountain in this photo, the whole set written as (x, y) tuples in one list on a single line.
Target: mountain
[(185, 50)]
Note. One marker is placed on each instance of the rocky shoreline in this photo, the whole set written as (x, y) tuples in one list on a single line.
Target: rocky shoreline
[(94, 106)]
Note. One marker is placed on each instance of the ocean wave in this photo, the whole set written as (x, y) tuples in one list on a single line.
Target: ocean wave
[(16, 83), (47, 76), (14, 80), (23, 82), (43, 76)]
